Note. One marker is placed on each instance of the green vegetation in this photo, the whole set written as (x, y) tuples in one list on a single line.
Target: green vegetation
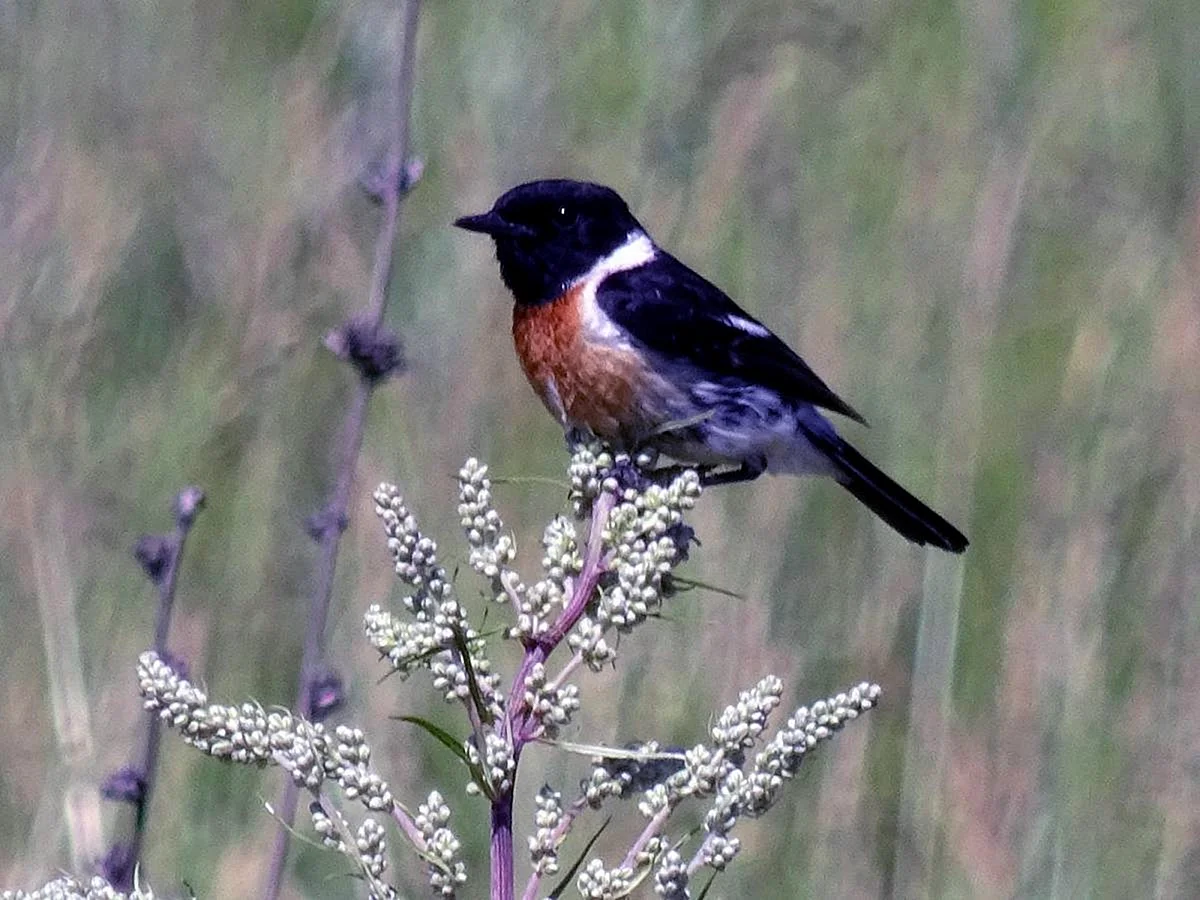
[(980, 223)]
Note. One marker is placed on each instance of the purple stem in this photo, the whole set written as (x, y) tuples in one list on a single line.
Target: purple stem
[(653, 827), (502, 847), (187, 504), (564, 825), (539, 651), (518, 723), (390, 193)]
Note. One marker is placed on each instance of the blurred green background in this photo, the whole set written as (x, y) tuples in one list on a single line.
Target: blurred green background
[(979, 221)]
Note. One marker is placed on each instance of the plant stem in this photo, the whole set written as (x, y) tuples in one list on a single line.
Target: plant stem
[(594, 565), (390, 193), (540, 650), (502, 846), (653, 827), (564, 825), (187, 504), (517, 723)]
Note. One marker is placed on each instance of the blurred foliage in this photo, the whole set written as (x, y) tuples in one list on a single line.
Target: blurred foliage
[(979, 221)]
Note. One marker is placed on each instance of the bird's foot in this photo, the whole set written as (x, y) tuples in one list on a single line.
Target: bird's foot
[(576, 437)]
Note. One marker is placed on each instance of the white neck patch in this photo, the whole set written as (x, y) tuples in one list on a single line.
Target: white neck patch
[(637, 250)]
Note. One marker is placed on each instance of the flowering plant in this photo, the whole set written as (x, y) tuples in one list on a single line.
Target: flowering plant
[(595, 586)]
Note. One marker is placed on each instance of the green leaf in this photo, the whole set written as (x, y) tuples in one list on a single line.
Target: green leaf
[(481, 706), (704, 891), (456, 747), (565, 881), (693, 583), (448, 740)]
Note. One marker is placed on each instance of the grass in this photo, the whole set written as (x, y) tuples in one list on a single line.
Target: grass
[(980, 224)]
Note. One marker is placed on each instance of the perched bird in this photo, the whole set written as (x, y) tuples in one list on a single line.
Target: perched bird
[(622, 340)]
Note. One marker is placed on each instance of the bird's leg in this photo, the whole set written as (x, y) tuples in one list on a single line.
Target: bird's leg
[(577, 436)]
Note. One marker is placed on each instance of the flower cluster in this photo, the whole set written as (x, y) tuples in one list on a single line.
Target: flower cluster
[(752, 793), (433, 819), (498, 764), (740, 725), (781, 758), (588, 641), (371, 845), (70, 889), (598, 883), (560, 561), (594, 588), (242, 734), (551, 706), (325, 827), (349, 766), (440, 638), (721, 771), (314, 757), (671, 879), (641, 767), (645, 540), (548, 820), (590, 473), (492, 549), (249, 734)]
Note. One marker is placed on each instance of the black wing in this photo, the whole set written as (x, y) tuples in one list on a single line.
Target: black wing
[(676, 313)]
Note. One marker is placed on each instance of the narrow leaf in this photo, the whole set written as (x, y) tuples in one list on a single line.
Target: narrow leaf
[(611, 752), (566, 880), (448, 740), (455, 747), (481, 706), (704, 891), (693, 583)]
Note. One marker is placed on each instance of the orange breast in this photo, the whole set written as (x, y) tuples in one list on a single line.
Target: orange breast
[(583, 383)]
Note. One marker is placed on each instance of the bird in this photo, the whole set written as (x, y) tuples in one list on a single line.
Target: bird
[(624, 342)]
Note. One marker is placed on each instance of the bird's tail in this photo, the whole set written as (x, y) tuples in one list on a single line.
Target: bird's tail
[(889, 501)]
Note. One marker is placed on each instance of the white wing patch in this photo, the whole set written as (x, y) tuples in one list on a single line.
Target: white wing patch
[(747, 326), (637, 250)]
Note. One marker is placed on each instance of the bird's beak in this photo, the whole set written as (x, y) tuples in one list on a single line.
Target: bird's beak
[(491, 223)]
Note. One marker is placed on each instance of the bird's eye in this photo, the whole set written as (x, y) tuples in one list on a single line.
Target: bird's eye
[(564, 216)]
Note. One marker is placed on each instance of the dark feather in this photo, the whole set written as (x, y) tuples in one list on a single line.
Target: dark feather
[(888, 500), (679, 315)]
